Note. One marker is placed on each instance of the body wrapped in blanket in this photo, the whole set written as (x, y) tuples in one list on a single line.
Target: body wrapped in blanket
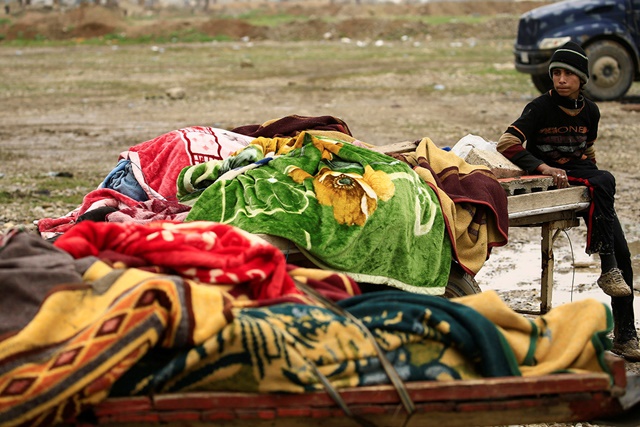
[(166, 307), (350, 209), (397, 222)]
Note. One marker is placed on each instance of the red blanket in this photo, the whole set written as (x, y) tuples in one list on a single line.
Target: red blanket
[(158, 162), (206, 251)]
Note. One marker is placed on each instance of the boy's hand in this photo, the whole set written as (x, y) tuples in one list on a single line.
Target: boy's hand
[(559, 175)]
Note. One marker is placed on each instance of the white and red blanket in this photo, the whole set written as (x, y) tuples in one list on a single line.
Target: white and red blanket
[(155, 165)]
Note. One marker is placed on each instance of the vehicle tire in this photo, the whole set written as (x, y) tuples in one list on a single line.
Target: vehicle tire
[(611, 71), (542, 82), (460, 283)]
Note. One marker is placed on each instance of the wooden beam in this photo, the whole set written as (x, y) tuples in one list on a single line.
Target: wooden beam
[(563, 199)]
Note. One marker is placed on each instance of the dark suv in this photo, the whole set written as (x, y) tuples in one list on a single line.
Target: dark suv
[(608, 30)]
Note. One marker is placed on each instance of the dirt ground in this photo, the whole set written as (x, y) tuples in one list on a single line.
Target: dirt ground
[(69, 110), (74, 107)]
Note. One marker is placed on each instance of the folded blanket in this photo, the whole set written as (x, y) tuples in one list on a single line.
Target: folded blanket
[(472, 200), (348, 208)]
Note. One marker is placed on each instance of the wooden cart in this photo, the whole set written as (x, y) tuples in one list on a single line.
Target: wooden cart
[(487, 402)]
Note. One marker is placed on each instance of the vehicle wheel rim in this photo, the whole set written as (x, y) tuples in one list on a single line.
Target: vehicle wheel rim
[(606, 72)]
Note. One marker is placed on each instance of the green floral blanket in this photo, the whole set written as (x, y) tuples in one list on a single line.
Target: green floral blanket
[(348, 208)]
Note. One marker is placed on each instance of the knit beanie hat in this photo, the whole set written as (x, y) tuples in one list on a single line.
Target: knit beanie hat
[(571, 57)]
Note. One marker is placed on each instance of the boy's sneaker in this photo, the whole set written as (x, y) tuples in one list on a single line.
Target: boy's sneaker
[(627, 349), (613, 284)]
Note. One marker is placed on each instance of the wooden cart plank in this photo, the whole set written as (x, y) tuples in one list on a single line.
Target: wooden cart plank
[(491, 401), (491, 388), (562, 408)]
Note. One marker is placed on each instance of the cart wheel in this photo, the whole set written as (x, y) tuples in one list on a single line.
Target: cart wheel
[(460, 283)]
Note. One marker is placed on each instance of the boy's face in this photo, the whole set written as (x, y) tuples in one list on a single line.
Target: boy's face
[(566, 82)]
